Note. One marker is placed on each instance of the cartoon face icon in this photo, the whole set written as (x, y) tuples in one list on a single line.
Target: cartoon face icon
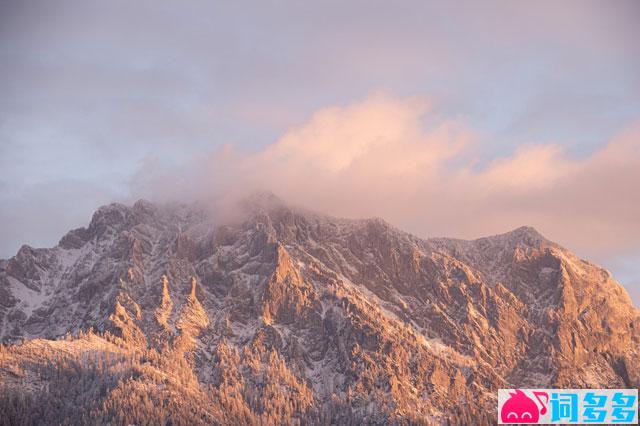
[(519, 408)]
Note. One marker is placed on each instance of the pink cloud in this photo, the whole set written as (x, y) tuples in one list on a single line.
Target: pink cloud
[(377, 157)]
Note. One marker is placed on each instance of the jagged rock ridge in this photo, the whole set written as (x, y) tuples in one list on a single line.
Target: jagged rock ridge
[(350, 321)]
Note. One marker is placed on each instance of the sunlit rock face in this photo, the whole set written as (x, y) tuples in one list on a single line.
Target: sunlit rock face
[(284, 315)]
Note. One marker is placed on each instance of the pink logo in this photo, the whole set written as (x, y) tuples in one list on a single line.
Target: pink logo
[(519, 408)]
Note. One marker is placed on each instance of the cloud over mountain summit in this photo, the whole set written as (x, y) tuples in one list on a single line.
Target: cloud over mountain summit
[(399, 159)]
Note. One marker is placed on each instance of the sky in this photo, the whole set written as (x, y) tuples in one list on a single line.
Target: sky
[(459, 119)]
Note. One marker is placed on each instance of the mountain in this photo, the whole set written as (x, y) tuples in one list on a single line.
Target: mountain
[(163, 314)]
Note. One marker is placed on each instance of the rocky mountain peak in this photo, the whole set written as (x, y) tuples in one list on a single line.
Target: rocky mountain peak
[(111, 215), (524, 237), (146, 207), (528, 235), (262, 201)]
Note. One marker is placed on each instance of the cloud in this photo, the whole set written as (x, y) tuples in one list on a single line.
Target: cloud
[(398, 159), (378, 146)]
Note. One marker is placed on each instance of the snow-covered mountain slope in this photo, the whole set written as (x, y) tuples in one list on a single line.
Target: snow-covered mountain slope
[(359, 321)]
